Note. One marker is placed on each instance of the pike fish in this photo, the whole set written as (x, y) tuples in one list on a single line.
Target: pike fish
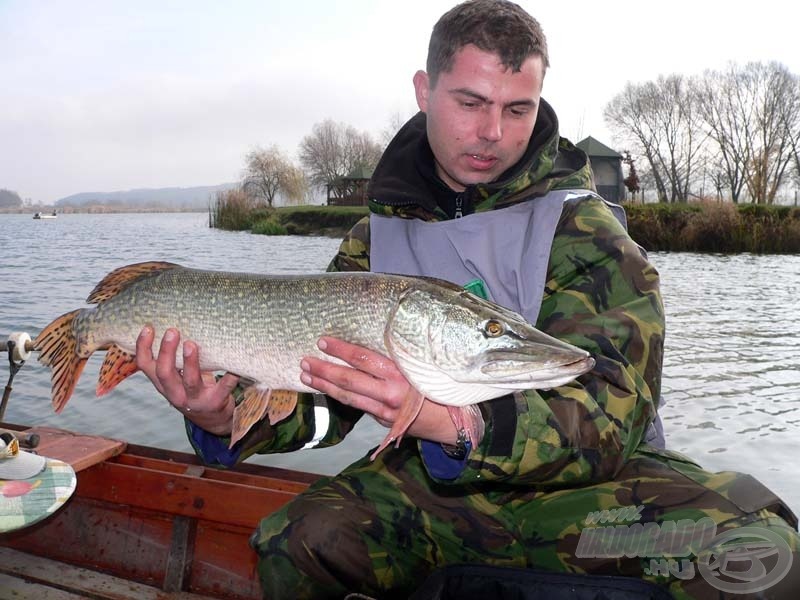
[(453, 347)]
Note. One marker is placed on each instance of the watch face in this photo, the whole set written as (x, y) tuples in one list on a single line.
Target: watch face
[(459, 450)]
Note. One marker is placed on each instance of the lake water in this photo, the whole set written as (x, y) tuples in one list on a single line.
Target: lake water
[(731, 372)]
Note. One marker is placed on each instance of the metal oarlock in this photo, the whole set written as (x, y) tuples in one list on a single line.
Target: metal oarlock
[(19, 347)]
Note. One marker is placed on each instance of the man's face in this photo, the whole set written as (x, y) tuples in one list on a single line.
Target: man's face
[(480, 115)]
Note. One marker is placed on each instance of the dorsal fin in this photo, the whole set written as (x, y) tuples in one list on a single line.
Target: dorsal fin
[(116, 281)]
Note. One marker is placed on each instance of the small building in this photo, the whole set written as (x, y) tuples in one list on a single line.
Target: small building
[(607, 168), (350, 190)]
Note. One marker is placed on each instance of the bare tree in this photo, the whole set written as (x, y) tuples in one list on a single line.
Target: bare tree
[(794, 137), (334, 150), (627, 116), (777, 116), (268, 173), (753, 115), (396, 121), (659, 119), (725, 112)]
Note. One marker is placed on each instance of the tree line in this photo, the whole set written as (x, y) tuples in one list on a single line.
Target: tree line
[(730, 133), (9, 199), (733, 132), (331, 151)]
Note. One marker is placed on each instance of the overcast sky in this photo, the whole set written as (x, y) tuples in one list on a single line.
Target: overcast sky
[(111, 95)]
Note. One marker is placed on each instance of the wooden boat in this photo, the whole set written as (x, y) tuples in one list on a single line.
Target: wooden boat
[(143, 523)]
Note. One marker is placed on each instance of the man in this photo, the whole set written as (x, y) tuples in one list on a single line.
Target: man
[(480, 185)]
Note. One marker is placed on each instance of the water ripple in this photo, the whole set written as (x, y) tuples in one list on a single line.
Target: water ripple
[(731, 371), (732, 358)]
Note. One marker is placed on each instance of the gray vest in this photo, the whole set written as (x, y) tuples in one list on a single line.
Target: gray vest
[(507, 249)]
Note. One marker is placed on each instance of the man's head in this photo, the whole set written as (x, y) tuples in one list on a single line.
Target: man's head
[(481, 93), (496, 26)]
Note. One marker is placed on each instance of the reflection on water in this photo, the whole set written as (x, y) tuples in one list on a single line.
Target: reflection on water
[(731, 376), (732, 364)]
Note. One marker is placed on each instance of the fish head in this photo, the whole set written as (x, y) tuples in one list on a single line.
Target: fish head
[(457, 348)]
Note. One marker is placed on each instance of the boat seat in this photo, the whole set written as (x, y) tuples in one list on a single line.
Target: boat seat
[(78, 450)]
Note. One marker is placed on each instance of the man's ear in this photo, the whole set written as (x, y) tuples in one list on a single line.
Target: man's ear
[(422, 89)]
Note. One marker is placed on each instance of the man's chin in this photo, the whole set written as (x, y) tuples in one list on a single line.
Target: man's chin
[(474, 177), (463, 177)]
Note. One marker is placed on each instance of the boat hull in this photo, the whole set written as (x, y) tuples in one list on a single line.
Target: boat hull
[(161, 519)]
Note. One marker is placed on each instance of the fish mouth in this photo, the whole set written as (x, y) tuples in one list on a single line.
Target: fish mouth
[(518, 367)]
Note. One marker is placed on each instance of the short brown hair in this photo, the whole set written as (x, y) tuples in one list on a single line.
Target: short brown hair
[(496, 26)]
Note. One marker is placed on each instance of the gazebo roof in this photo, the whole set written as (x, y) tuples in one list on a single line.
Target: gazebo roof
[(359, 173), (594, 148)]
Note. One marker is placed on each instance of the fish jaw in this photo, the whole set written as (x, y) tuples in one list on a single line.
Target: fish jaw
[(538, 366), (440, 387), (541, 379), (459, 349)]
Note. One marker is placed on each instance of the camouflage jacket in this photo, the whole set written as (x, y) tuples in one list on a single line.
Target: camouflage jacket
[(601, 294)]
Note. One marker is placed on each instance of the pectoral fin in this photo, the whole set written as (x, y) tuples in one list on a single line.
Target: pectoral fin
[(411, 407), (117, 366), (258, 402), (281, 404)]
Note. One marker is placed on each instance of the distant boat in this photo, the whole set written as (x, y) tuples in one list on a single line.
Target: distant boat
[(41, 215)]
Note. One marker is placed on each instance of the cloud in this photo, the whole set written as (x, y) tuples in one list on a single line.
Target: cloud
[(111, 95)]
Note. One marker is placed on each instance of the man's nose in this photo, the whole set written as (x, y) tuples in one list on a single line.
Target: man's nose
[(491, 128)]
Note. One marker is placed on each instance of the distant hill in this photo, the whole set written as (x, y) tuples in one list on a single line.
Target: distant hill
[(173, 197)]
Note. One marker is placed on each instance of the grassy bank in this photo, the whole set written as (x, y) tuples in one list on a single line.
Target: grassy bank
[(234, 213), (695, 227), (715, 227), (332, 221)]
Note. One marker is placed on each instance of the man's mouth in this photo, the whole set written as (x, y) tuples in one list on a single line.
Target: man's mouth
[(481, 162)]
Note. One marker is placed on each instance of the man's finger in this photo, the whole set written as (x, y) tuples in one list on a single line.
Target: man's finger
[(349, 397), (144, 347), (166, 370), (144, 356), (343, 377), (192, 378), (227, 384), (358, 357)]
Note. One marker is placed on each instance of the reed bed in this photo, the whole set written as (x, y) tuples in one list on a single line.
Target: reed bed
[(707, 226)]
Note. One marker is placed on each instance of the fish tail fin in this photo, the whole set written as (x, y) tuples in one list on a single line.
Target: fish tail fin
[(117, 366), (410, 410), (118, 279), (58, 349)]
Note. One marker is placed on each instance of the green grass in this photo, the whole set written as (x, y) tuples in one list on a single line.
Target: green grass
[(268, 226)]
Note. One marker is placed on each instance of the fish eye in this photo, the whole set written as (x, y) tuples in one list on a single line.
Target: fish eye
[(494, 328)]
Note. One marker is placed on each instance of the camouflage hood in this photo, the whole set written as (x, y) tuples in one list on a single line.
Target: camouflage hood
[(404, 181)]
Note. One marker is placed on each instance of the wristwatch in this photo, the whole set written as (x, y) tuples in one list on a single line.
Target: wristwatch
[(459, 450)]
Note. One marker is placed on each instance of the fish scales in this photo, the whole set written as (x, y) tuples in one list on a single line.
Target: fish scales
[(258, 327), (453, 347)]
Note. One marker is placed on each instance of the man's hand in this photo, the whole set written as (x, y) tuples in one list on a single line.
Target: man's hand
[(204, 401), (373, 384)]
